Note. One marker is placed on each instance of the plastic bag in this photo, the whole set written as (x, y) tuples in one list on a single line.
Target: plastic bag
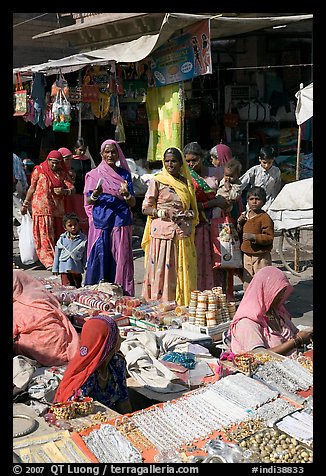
[(226, 243), (26, 241)]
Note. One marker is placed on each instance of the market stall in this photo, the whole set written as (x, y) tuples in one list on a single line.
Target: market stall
[(254, 407)]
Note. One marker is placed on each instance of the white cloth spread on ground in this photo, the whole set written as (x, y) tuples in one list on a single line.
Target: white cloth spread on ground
[(142, 352)]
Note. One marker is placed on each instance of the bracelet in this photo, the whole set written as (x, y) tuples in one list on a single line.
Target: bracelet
[(298, 341), (93, 197), (128, 197), (24, 205), (161, 213), (154, 213)]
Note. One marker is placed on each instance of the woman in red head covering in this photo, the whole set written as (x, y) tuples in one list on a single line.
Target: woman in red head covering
[(98, 369), (50, 183)]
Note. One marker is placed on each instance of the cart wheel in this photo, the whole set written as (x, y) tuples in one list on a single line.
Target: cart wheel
[(296, 250)]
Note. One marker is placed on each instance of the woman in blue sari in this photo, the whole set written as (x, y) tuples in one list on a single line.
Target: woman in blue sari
[(108, 207)]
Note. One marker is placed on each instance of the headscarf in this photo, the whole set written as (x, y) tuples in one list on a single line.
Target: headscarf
[(98, 338), (111, 179), (224, 153), (45, 168), (185, 192), (259, 295), (65, 152)]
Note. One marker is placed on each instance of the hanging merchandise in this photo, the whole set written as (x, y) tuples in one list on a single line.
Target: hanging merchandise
[(120, 74), (75, 94), (60, 84), (101, 108), (90, 90), (231, 117), (61, 109), (119, 133), (48, 116), (20, 98), (30, 114)]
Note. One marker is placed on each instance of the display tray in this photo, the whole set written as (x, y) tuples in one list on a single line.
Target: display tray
[(302, 442), (279, 452)]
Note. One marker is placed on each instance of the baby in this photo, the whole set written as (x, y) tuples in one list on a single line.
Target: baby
[(229, 187)]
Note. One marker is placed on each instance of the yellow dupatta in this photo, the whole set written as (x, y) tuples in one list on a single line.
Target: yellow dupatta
[(186, 251)]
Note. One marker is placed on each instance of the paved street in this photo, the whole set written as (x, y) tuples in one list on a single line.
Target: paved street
[(300, 303)]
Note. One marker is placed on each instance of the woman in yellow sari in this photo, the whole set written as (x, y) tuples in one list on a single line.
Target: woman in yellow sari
[(172, 215)]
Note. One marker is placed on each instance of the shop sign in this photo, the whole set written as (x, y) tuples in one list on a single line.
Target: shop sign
[(183, 57)]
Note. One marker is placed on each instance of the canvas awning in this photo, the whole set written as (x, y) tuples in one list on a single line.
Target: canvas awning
[(305, 103), (138, 49)]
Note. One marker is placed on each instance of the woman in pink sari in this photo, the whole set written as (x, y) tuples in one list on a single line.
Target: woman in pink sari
[(41, 331), (205, 183), (262, 321), (108, 207), (220, 155)]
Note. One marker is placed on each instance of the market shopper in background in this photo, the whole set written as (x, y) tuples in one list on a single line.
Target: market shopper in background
[(206, 184), (168, 240), (70, 252), (256, 230), (98, 369), (50, 184), (108, 207), (79, 165), (41, 331), (262, 321), (264, 175), (220, 154), (19, 177)]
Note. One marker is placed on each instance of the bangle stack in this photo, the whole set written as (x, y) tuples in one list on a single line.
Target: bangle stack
[(25, 204), (128, 197), (161, 213), (154, 213), (298, 341), (93, 197)]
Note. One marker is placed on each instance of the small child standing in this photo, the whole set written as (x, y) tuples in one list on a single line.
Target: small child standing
[(256, 230), (70, 252), (264, 175), (229, 187)]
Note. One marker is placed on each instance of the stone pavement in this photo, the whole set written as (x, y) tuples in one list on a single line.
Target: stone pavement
[(300, 303)]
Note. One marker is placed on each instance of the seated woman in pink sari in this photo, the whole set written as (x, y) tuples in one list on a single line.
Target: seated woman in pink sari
[(108, 207), (41, 331), (262, 321)]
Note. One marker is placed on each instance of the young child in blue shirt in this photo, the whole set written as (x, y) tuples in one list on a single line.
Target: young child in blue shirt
[(70, 252)]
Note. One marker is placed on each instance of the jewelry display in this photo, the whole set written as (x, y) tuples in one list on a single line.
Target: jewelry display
[(286, 374), (29, 429), (244, 391), (273, 446), (272, 411), (298, 425), (110, 446)]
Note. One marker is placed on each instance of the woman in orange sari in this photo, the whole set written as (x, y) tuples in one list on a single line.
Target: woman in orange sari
[(50, 183)]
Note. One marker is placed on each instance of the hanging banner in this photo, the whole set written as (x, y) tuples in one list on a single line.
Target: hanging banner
[(183, 57)]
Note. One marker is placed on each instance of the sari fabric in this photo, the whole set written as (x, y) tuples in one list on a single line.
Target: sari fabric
[(41, 330)]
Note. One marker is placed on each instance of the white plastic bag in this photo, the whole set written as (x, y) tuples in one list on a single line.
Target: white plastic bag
[(26, 241)]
